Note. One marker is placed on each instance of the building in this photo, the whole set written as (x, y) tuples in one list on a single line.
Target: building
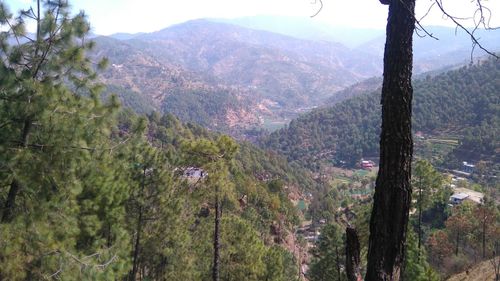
[(468, 167), (195, 173), (461, 194), (458, 198), (366, 164)]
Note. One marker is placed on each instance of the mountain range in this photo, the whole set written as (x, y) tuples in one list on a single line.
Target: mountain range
[(234, 75)]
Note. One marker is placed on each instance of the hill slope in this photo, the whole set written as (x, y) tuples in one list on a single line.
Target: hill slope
[(143, 83), (270, 74), (231, 78), (481, 272), (463, 102)]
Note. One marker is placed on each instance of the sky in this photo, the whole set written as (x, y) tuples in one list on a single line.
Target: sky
[(132, 16)]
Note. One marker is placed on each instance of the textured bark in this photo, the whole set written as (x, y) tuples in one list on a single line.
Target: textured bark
[(352, 255), (389, 218), (215, 268)]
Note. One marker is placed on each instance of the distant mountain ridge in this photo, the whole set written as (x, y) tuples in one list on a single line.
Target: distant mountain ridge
[(262, 72), (307, 28), (254, 74)]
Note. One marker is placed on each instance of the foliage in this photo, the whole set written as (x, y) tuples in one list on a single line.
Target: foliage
[(129, 99), (462, 101), (53, 141), (92, 192), (205, 107), (416, 266), (328, 255)]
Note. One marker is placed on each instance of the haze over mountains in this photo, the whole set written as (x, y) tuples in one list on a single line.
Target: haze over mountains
[(242, 73)]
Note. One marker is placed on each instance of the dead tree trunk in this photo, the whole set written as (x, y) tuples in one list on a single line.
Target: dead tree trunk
[(389, 218)]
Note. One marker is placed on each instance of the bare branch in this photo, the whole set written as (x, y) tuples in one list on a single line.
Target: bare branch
[(419, 26), (428, 11), (320, 7), (482, 19), (13, 32)]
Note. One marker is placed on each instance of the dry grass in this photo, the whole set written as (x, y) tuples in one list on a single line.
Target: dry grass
[(481, 272)]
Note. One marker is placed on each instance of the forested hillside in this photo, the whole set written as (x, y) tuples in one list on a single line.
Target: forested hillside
[(232, 78), (91, 191), (227, 77), (144, 84), (462, 102)]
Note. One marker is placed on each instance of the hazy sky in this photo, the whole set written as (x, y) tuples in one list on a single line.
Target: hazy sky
[(111, 16)]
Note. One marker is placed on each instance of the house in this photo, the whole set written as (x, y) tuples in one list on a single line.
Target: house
[(461, 194), (366, 164), (194, 173), (468, 167), (474, 196), (458, 198), (419, 135)]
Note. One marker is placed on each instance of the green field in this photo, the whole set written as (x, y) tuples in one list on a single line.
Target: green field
[(361, 173), (274, 124)]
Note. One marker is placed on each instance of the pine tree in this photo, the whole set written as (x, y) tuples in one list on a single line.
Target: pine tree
[(426, 180), (416, 267), (154, 211), (214, 159), (328, 256), (48, 135), (274, 264)]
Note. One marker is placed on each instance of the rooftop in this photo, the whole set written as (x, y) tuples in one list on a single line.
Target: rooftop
[(460, 196), (475, 196)]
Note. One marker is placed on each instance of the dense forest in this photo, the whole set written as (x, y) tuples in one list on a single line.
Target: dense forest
[(209, 108), (128, 99), (462, 102), (97, 185), (92, 191)]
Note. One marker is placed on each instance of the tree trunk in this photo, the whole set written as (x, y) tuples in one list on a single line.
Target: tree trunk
[(137, 245), (389, 218), (419, 220), (215, 268), (15, 187), (338, 261), (484, 235), (10, 203), (138, 230), (352, 255)]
